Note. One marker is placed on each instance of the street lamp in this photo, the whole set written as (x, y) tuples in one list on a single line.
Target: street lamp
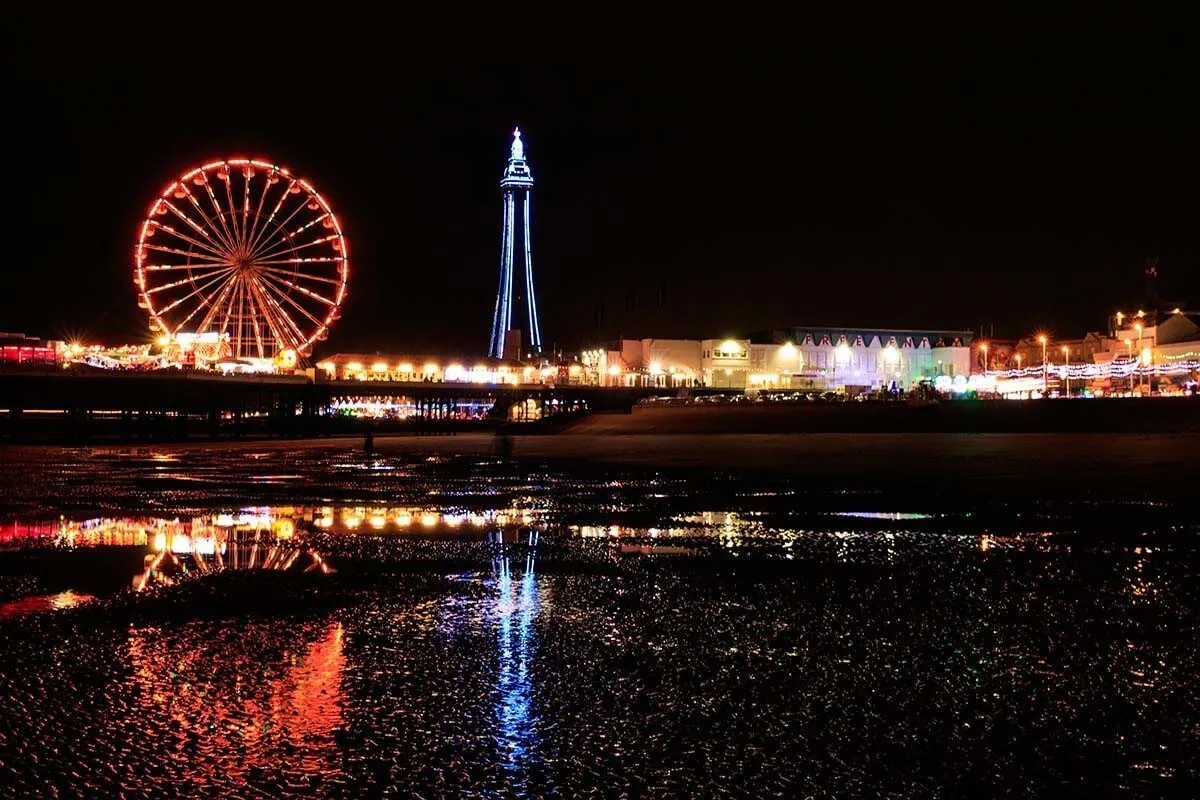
[(1067, 369), (1129, 347), (1018, 357), (1138, 327), (1042, 341), (983, 349)]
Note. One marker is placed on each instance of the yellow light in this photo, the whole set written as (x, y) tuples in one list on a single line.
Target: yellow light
[(891, 354), (378, 521), (328, 366), (527, 371), (574, 369), (1066, 351), (1147, 356), (1018, 360), (430, 368), (1042, 339), (404, 367), (1177, 311), (730, 348), (429, 520), (1141, 313), (379, 366), (1138, 327), (614, 370), (1120, 317), (787, 351), (354, 366), (983, 347), (842, 352), (162, 340), (404, 520), (655, 368)]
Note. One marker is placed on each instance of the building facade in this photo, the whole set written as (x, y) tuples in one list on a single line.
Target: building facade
[(848, 360)]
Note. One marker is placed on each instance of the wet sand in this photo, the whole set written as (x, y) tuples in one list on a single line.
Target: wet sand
[(655, 620), (1135, 466)]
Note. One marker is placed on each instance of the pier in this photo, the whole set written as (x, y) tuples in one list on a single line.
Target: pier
[(182, 405)]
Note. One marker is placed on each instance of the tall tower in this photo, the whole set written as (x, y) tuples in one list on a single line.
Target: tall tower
[(516, 184)]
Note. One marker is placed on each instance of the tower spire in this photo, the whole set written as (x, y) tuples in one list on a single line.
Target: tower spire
[(518, 148)]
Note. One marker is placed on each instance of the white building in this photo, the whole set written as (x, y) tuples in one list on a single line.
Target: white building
[(820, 359)]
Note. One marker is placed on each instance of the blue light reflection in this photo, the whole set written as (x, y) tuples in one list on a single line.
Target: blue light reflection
[(516, 606)]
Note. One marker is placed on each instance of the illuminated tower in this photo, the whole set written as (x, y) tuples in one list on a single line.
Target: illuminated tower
[(516, 183)]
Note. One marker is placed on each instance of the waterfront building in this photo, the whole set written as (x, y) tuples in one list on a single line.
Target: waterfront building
[(423, 368), (19, 350), (848, 360), (1159, 340)]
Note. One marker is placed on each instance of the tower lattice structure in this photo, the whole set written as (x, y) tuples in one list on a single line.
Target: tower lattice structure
[(516, 183)]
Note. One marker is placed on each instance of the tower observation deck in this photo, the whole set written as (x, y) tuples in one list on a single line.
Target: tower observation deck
[(516, 184)]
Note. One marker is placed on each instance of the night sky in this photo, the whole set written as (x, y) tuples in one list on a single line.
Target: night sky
[(1014, 182)]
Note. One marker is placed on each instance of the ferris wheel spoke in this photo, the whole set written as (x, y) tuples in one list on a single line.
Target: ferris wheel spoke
[(216, 246), (247, 174), (310, 223), (197, 246), (192, 265), (305, 199), (277, 319), (253, 234), (204, 303), (199, 289), (218, 303), (305, 291), (189, 253), (241, 315), (289, 247), (281, 236), (274, 212), (228, 181), (211, 233), (258, 341), (230, 302), (293, 274), (212, 196), (291, 301), (314, 260), (189, 279)]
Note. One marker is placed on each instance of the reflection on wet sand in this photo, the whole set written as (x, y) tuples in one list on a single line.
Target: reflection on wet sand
[(517, 604), (43, 602), (202, 547), (256, 715)]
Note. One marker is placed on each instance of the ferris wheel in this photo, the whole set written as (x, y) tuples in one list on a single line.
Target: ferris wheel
[(246, 253)]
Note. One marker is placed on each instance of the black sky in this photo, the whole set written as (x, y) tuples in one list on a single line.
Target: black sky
[(1013, 181)]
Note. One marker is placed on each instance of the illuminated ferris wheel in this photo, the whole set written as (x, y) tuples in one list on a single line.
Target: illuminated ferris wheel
[(243, 253)]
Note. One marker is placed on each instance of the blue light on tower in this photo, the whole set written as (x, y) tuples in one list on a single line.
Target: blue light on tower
[(516, 182)]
